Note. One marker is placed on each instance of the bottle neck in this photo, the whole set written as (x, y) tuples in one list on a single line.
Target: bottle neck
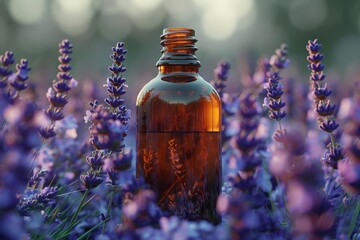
[(178, 53), (167, 69)]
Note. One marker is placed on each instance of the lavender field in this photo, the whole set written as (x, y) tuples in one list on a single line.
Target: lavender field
[(290, 134), (59, 185)]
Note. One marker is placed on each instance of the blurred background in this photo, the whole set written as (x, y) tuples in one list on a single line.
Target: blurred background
[(240, 31)]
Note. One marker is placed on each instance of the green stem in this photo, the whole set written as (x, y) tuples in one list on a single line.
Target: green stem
[(353, 219), (332, 140), (80, 206), (108, 211), (280, 127)]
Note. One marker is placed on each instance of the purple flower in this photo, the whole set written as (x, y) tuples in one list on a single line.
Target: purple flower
[(17, 80), (6, 60), (328, 126), (34, 199), (332, 156), (58, 94), (325, 108), (115, 85), (322, 93), (95, 160), (91, 179), (109, 125), (221, 73), (274, 87), (113, 176), (279, 59), (246, 141)]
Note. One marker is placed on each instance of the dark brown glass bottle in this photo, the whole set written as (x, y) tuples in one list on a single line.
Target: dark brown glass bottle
[(178, 132)]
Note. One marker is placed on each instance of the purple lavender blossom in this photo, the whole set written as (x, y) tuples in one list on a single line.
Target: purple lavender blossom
[(115, 85), (6, 60), (221, 73), (279, 60), (323, 107), (109, 125), (58, 94), (92, 179), (11, 83), (274, 87), (246, 141)]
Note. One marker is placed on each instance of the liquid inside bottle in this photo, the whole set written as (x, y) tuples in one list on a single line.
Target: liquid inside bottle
[(178, 132)]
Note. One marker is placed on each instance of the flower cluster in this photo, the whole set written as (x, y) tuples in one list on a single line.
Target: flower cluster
[(247, 141), (109, 125), (115, 85), (58, 94), (323, 106), (271, 191), (274, 87), (11, 83), (35, 199), (221, 73)]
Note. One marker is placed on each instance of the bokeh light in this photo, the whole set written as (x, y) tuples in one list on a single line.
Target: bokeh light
[(27, 12), (146, 5), (73, 17), (221, 18)]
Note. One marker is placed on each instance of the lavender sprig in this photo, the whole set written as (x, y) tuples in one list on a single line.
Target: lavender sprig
[(274, 87), (12, 83), (246, 140), (58, 94), (6, 60), (109, 124), (115, 85), (221, 73), (323, 107)]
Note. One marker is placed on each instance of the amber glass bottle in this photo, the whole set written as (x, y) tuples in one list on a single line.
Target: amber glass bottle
[(178, 132)]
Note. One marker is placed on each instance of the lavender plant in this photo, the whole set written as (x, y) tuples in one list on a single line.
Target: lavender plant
[(58, 94), (272, 190), (273, 100), (323, 106), (221, 74)]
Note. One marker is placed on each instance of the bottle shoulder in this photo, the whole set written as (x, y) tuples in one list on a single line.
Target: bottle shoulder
[(182, 91)]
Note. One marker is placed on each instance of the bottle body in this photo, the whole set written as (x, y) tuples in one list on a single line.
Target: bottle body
[(178, 142)]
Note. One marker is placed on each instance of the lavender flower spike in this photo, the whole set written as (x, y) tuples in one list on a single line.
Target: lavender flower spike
[(58, 94), (221, 73), (323, 107), (109, 124), (115, 85), (6, 60), (274, 87)]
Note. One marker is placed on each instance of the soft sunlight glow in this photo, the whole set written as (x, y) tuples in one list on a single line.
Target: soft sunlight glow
[(73, 17), (316, 13), (27, 12), (147, 5), (147, 20), (180, 10), (222, 18)]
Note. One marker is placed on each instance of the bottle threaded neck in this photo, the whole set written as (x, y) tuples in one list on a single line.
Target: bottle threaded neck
[(178, 47)]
